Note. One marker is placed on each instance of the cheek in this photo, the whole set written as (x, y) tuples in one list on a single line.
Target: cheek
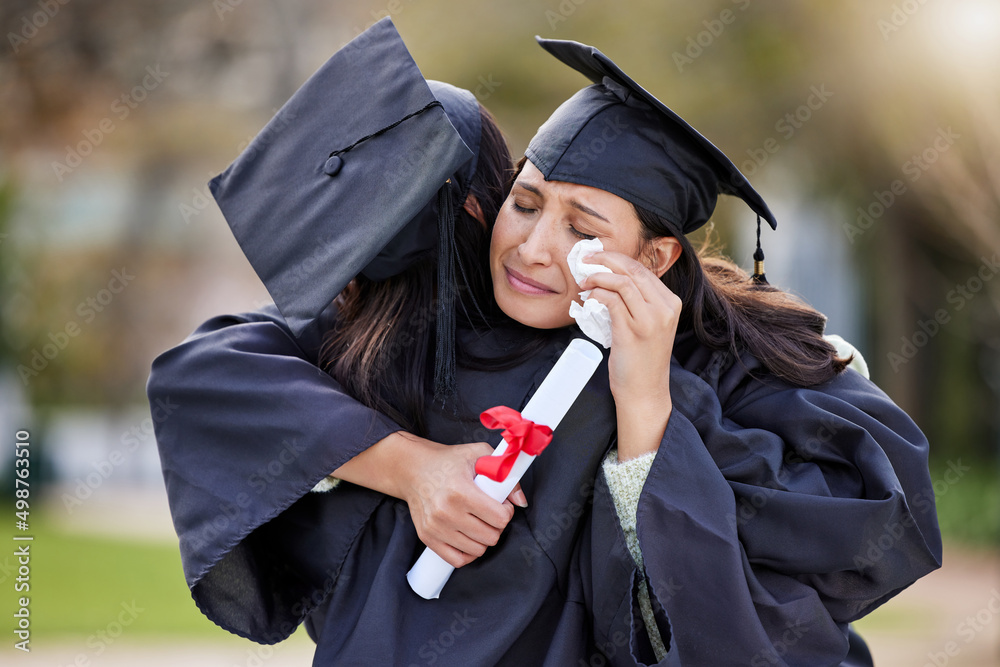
[(504, 234), (626, 241)]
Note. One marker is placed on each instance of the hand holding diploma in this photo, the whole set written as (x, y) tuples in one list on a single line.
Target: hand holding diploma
[(547, 407)]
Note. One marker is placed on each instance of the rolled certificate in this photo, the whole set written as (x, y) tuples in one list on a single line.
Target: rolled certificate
[(547, 406)]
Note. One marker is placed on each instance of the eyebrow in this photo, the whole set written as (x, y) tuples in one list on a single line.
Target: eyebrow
[(572, 202)]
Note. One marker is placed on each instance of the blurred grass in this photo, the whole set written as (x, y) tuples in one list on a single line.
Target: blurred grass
[(969, 509), (897, 619), (84, 584), (81, 584)]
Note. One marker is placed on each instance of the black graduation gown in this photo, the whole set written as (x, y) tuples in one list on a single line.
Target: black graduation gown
[(771, 518)]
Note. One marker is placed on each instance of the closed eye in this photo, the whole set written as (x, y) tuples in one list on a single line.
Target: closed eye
[(521, 209), (576, 232)]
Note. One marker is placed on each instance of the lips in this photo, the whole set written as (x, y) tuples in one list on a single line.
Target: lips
[(526, 285)]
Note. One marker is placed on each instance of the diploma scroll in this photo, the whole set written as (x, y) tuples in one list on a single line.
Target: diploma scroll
[(550, 403)]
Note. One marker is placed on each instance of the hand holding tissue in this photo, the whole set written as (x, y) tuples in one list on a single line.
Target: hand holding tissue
[(593, 316)]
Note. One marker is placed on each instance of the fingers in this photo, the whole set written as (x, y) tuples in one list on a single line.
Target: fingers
[(453, 516), (465, 508), (626, 269), (620, 294), (450, 554), (464, 539), (517, 497), (624, 266), (633, 294), (492, 513)]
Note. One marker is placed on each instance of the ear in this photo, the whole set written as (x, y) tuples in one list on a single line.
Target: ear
[(472, 207), (661, 254)]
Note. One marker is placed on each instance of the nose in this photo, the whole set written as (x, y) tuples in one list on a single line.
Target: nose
[(537, 245)]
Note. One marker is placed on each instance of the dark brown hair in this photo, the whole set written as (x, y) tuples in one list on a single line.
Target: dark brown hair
[(381, 349), (728, 311)]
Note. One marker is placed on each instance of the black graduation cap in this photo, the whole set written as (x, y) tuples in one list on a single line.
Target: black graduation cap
[(360, 172), (616, 136), (352, 175)]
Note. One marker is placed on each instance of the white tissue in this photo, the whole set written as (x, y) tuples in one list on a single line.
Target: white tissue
[(593, 316), (594, 320)]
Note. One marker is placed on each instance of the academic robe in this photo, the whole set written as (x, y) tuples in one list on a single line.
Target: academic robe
[(772, 516)]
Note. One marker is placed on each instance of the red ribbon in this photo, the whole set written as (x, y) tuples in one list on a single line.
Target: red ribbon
[(522, 435)]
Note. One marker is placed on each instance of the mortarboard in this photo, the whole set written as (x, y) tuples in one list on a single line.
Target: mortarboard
[(616, 136), (360, 172), (345, 178)]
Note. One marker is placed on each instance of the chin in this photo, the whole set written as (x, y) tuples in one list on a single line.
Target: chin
[(534, 313)]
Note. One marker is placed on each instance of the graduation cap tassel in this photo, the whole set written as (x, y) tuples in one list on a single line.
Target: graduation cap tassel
[(758, 276), (444, 357)]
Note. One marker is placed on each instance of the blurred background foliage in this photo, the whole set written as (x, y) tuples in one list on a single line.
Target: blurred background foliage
[(872, 128), (896, 77)]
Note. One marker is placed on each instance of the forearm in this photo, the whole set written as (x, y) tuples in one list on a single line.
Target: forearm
[(452, 515), (387, 465), (640, 428)]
